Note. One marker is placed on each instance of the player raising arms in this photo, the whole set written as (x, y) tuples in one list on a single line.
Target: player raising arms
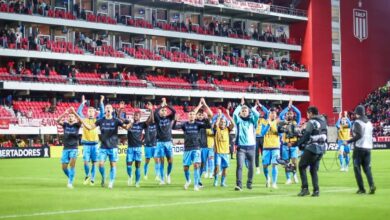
[(192, 153), (221, 148), (150, 142), (164, 138), (71, 143), (344, 134), (90, 139), (134, 149), (289, 127), (109, 142), (271, 149)]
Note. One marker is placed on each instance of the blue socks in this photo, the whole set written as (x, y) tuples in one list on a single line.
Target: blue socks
[(223, 180), (187, 175), (211, 166), (86, 169), (161, 171), (71, 174), (66, 171), (196, 176), (93, 172), (288, 175), (274, 174), (265, 171), (156, 169), (346, 160), (170, 166), (102, 172), (137, 174), (341, 159), (146, 167), (129, 170), (112, 174)]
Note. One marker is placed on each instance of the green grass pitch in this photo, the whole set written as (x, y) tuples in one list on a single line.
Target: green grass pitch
[(36, 189)]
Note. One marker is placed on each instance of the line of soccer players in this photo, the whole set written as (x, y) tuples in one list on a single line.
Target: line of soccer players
[(206, 142)]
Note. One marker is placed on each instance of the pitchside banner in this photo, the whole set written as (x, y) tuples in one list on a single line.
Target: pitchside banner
[(377, 146), (56, 151), (24, 152)]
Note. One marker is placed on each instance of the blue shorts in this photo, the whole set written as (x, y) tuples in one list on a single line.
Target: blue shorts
[(112, 154), (270, 156), (149, 152), (342, 147), (206, 153), (289, 152), (90, 152), (134, 154), (163, 149), (68, 154), (222, 160), (190, 157)]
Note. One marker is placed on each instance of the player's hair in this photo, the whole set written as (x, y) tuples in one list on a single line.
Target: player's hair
[(313, 110)]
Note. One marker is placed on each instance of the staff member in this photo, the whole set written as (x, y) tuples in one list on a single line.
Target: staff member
[(313, 144), (362, 142)]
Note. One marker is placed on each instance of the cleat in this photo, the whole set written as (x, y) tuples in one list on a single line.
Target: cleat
[(237, 188), (258, 170), (196, 188), (187, 184), (130, 181), (372, 190), (315, 194), (274, 186), (346, 169), (249, 186), (200, 185), (206, 175), (211, 176), (86, 180), (223, 185), (288, 182), (268, 183), (162, 182), (102, 183), (137, 185), (110, 185), (70, 185), (342, 169), (169, 179), (360, 191), (304, 192), (92, 183), (215, 183)]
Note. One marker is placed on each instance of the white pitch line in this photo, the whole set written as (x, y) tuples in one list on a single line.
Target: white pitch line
[(152, 205)]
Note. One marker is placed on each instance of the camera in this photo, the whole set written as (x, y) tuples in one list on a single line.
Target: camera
[(290, 129)]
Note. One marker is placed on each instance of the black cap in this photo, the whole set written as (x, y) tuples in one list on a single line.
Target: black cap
[(359, 110)]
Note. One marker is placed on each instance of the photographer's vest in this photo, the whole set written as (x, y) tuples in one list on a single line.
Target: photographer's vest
[(365, 141), (317, 143), (290, 139)]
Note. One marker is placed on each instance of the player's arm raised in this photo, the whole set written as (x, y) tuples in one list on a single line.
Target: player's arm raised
[(89, 127), (59, 119)]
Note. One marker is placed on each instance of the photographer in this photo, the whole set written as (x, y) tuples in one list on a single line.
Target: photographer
[(290, 135), (313, 144)]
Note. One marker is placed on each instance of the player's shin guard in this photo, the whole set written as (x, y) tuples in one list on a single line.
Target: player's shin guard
[(66, 171), (86, 169), (187, 175), (72, 173), (112, 174), (137, 174), (265, 171), (102, 172), (274, 174), (129, 170), (169, 169)]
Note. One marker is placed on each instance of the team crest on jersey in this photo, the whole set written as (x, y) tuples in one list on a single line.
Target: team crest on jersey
[(360, 24)]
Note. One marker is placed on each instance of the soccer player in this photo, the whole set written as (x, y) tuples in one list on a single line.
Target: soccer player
[(210, 145), (134, 149), (71, 143), (206, 153), (260, 139), (245, 120), (150, 142), (192, 153), (221, 150), (290, 138), (344, 128), (109, 142), (90, 139), (164, 138), (271, 148)]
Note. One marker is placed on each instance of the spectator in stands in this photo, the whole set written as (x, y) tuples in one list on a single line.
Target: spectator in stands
[(47, 70)]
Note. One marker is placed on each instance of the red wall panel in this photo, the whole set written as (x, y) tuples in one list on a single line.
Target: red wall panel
[(365, 65)]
